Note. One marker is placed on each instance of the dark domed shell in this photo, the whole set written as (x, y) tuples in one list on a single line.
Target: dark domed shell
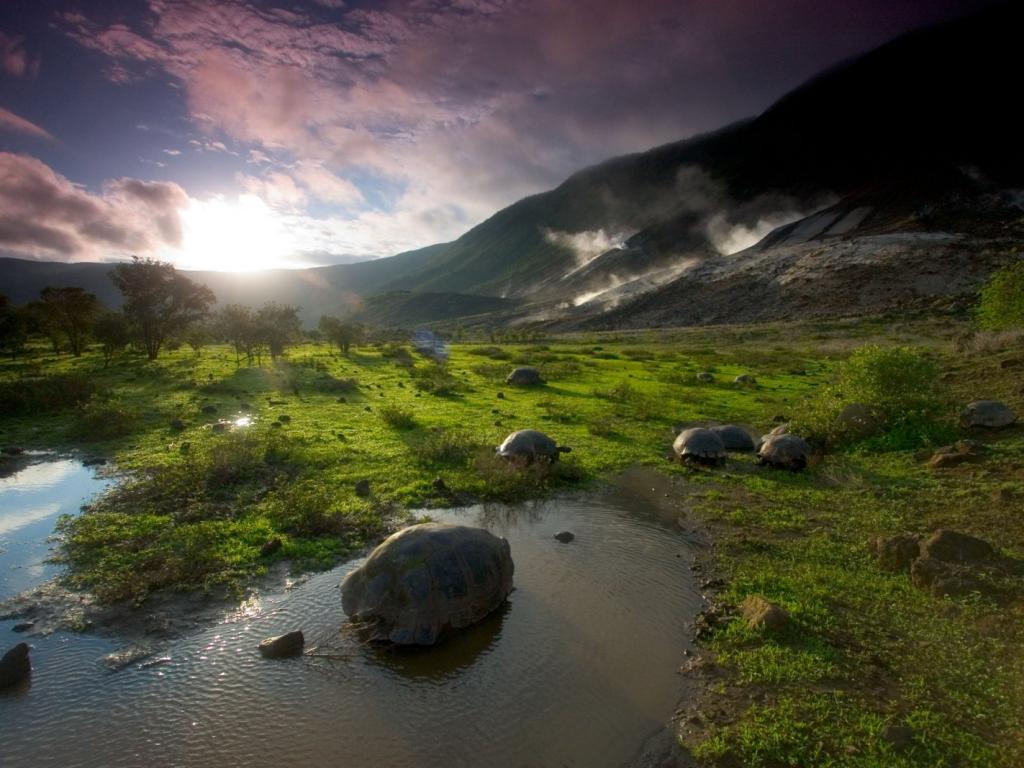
[(784, 451), (528, 444), (699, 444), (428, 579), (524, 377), (734, 438), (745, 380), (987, 413)]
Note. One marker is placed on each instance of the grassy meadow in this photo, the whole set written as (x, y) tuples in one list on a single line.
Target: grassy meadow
[(865, 649)]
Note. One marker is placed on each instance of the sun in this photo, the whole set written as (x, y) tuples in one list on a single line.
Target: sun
[(243, 235)]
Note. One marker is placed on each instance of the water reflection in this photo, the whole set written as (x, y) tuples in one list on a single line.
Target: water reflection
[(31, 500)]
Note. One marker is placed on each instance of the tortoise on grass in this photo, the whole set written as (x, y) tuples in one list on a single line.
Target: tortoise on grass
[(529, 445), (427, 580), (699, 446), (745, 380), (705, 376), (524, 377), (734, 438), (987, 413), (784, 451)]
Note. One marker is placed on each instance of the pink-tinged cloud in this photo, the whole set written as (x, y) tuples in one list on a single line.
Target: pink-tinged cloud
[(14, 60), (44, 215), (12, 122)]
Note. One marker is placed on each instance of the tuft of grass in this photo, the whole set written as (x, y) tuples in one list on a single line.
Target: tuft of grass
[(397, 416)]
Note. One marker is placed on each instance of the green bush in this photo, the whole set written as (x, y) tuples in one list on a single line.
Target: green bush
[(396, 416), (1002, 299), (46, 394), (446, 446), (899, 385), (103, 418)]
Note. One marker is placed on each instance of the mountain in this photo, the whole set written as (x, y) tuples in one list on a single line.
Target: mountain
[(886, 181)]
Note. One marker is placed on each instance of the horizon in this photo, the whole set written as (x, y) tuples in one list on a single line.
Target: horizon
[(341, 133)]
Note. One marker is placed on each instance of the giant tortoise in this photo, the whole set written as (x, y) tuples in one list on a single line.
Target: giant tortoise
[(784, 451), (734, 438), (427, 580), (524, 377), (699, 446), (987, 413), (530, 445)]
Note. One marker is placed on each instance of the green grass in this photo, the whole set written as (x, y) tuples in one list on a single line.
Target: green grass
[(864, 649)]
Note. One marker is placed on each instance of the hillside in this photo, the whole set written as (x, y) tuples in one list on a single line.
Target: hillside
[(918, 136)]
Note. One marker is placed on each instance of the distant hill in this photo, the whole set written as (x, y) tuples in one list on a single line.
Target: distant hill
[(918, 136)]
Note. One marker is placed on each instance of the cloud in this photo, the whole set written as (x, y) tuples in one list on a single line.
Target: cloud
[(13, 58), (11, 122), (44, 215), (467, 105)]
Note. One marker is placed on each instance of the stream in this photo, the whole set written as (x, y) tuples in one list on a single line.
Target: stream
[(578, 668)]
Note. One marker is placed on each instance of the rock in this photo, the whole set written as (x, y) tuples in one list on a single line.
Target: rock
[(501, 395), (23, 626), (954, 547), (857, 421), (342, 400), (565, 536), (706, 376), (125, 657), (958, 453), (219, 426), (896, 553), (282, 646), (177, 425), (899, 737), (270, 547), (524, 377), (441, 487), (745, 380), (764, 614), (989, 414), (284, 418), (209, 409), (940, 578), (363, 488), (1009, 363), (93, 461), (15, 666)]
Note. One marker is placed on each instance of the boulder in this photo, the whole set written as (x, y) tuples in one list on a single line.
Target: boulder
[(15, 666), (764, 614), (565, 536), (896, 553), (954, 547), (283, 646), (363, 488), (209, 409), (940, 578), (989, 414), (958, 453)]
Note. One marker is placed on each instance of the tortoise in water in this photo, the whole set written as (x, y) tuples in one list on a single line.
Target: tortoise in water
[(734, 438), (529, 445), (524, 377), (987, 413), (784, 451), (700, 446), (426, 580)]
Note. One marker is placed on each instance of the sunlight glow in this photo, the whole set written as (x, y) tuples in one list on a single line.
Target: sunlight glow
[(234, 236)]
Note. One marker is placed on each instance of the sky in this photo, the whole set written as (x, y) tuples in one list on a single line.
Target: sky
[(249, 134)]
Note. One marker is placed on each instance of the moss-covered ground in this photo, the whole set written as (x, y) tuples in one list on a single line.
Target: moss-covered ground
[(864, 650)]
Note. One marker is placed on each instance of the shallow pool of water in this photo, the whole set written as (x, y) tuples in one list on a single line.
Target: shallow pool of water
[(31, 500), (577, 669)]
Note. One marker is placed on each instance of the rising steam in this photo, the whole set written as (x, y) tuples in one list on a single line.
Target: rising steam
[(586, 246)]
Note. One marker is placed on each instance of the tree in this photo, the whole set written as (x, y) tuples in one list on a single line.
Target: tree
[(113, 331), (159, 301), (197, 336), (1002, 299), (70, 312), (340, 333), (279, 326), (13, 328)]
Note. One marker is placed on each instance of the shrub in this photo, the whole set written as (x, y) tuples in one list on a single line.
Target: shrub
[(899, 383), (495, 353), (48, 394), (396, 416), (101, 418), (504, 480), (446, 446), (434, 378), (1002, 299)]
